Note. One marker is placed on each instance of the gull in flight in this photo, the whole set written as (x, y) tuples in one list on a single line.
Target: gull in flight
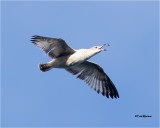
[(76, 62)]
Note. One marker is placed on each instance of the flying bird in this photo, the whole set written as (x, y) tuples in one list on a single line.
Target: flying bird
[(76, 62)]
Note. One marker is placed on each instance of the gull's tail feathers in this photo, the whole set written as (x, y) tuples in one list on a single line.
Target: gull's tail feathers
[(44, 67)]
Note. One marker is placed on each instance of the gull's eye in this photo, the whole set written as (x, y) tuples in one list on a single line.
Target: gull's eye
[(95, 46)]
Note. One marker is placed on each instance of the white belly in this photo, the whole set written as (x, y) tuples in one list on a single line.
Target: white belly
[(68, 61)]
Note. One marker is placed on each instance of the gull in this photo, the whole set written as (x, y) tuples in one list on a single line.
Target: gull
[(76, 62)]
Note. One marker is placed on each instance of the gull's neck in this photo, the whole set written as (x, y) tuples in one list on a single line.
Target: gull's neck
[(85, 54)]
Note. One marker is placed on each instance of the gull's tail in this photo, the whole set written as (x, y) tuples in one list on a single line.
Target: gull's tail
[(44, 67)]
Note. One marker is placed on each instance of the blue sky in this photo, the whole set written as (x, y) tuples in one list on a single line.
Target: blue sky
[(32, 98)]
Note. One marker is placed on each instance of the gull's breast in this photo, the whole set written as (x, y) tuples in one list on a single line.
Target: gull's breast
[(78, 57)]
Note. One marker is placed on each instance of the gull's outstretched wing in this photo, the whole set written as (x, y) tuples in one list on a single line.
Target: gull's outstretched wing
[(95, 77), (55, 47)]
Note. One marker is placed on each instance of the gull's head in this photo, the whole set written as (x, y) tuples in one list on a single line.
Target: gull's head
[(94, 50), (98, 49)]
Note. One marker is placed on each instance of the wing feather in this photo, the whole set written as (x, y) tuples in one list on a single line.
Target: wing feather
[(95, 77), (54, 47)]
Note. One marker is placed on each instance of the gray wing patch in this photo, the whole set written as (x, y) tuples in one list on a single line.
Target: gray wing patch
[(54, 47)]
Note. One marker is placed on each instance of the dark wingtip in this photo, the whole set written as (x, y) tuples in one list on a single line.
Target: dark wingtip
[(111, 96), (34, 38), (113, 93), (107, 95), (116, 95)]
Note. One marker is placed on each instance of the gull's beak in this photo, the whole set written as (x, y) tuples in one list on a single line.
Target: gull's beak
[(102, 47)]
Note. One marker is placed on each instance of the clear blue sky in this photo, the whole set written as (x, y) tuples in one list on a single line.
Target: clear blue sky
[(56, 98)]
